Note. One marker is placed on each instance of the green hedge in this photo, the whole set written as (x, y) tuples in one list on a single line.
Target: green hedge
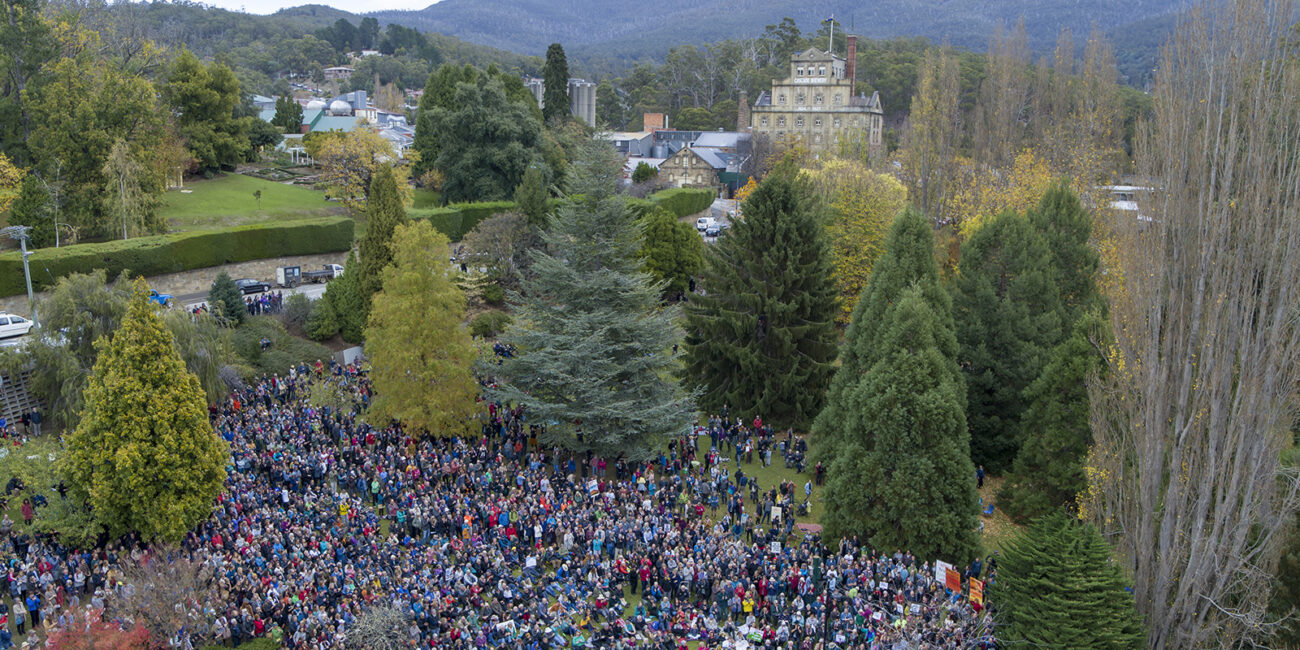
[(457, 219), (178, 252)]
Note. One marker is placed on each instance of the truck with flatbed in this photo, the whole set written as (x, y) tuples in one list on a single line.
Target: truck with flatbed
[(292, 276)]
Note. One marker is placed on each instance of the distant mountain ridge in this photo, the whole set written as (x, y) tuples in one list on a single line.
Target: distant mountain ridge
[(633, 29)]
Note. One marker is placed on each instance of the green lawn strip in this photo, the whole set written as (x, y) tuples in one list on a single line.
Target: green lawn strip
[(230, 200)]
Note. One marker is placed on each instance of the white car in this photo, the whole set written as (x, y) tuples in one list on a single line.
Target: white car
[(703, 223), (11, 326)]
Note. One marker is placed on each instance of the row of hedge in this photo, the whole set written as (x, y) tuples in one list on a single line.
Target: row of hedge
[(457, 219), (149, 256)]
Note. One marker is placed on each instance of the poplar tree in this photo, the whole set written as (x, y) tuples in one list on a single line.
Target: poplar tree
[(1057, 587), (595, 357), (907, 483), (1008, 316), (420, 351), (144, 456), (761, 340), (555, 79), (384, 213)]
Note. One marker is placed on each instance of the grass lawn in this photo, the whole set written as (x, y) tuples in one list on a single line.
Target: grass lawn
[(229, 201)]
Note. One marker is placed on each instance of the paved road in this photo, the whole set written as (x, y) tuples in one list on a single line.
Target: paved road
[(192, 300)]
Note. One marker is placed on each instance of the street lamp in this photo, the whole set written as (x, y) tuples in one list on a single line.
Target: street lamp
[(21, 233)]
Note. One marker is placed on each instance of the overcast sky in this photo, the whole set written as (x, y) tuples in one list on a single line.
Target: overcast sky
[(355, 6)]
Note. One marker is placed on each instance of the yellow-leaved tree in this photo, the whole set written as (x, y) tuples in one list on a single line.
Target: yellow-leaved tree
[(349, 160), (11, 179), (862, 206), (144, 457), (981, 192), (420, 352)]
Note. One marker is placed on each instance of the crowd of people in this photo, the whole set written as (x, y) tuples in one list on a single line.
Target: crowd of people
[(492, 541)]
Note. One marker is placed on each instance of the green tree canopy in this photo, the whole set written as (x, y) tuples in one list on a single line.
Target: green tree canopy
[(555, 79), (643, 173), (904, 479), (595, 359), (420, 351), (205, 99), (1058, 587), (762, 339), (531, 196), (342, 310), (486, 143), (384, 213), (673, 251), (226, 301), (34, 208), (1008, 317), (288, 114), (144, 454), (1067, 227), (1048, 472), (439, 93)]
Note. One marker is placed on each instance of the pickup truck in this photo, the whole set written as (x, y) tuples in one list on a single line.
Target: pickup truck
[(161, 298), (292, 276)]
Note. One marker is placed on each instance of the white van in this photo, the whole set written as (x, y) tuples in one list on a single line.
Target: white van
[(702, 224)]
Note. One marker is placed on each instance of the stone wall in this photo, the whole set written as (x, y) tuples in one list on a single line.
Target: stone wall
[(197, 281)]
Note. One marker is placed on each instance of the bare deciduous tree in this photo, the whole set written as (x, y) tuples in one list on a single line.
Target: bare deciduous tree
[(165, 591), (383, 627), (1185, 475)]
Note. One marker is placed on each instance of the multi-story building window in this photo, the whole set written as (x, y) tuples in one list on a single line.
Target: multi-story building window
[(799, 99), (798, 122), (763, 120), (817, 122), (821, 71), (836, 100), (817, 99), (781, 99), (780, 121), (837, 122)]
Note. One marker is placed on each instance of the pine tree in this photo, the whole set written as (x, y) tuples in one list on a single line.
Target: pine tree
[(144, 456), (1008, 317), (673, 251), (384, 213), (341, 309), (1057, 587), (906, 484), (530, 196), (1048, 472), (908, 261), (420, 351), (226, 301), (1066, 227), (762, 340), (288, 114), (595, 358), (555, 79)]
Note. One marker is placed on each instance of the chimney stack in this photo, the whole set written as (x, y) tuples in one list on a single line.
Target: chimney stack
[(851, 69), (742, 112)]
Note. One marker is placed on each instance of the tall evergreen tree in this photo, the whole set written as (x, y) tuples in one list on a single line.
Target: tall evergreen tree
[(595, 359), (34, 207), (1057, 587), (144, 455), (762, 340), (1008, 317), (555, 79), (1066, 227), (288, 114), (908, 261), (439, 93), (530, 196), (673, 251), (420, 350), (1048, 472), (226, 301), (907, 484), (485, 143), (205, 99), (342, 308), (384, 213)]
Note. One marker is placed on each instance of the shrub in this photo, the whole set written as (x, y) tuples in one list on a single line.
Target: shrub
[(489, 323), (322, 322), (286, 350), (149, 256), (494, 295), (297, 309)]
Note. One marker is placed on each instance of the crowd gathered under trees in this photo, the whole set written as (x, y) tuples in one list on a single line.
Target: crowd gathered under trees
[(998, 322)]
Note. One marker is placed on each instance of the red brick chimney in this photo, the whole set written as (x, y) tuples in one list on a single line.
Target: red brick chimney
[(742, 112), (851, 69)]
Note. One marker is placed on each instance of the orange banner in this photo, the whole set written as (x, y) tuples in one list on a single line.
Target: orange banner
[(977, 591), (952, 580)]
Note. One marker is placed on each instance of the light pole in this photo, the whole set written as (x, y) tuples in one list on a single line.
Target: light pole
[(21, 234)]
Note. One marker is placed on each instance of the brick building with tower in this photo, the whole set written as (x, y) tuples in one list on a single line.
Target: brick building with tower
[(816, 106)]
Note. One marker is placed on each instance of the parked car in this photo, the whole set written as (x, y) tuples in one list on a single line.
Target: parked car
[(12, 325), (702, 224), (161, 298), (249, 285), (713, 230)]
